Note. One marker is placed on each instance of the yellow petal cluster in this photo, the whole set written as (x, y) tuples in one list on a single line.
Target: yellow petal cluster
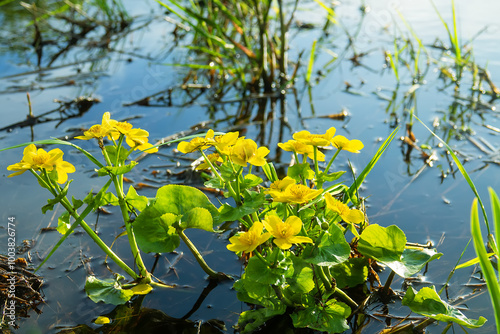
[(295, 193), (285, 233), (248, 241), (301, 148), (348, 215), (307, 138), (342, 143), (245, 151), (135, 138), (197, 143), (39, 159)]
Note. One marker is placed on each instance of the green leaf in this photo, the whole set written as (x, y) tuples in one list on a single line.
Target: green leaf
[(109, 198), (250, 181), (119, 170), (299, 171), (138, 202), (259, 272), (198, 218), (174, 204), (387, 245), (302, 279), (472, 262), (331, 250), (330, 318), (111, 150), (351, 272), (108, 291), (252, 202), (324, 177), (77, 203), (384, 244), (414, 259), (428, 303), (63, 224), (253, 319), (154, 232), (179, 200), (57, 199)]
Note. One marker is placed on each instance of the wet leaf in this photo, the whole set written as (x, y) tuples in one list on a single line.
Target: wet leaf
[(428, 303), (108, 291), (332, 249), (198, 218), (384, 244), (63, 224), (253, 319), (387, 245), (138, 202), (154, 233), (299, 171), (351, 272), (330, 318), (302, 279)]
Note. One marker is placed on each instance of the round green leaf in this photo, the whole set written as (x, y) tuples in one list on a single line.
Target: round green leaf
[(108, 291)]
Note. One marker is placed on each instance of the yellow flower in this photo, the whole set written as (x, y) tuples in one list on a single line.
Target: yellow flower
[(342, 143), (120, 128), (35, 159), (348, 215), (298, 193), (315, 140), (40, 159), (248, 241), (63, 168), (277, 188), (197, 143), (285, 233), (99, 130), (246, 151), (224, 142), (301, 148)]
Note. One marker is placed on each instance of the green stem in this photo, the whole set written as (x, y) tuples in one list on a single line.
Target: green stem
[(118, 182), (324, 279), (69, 207), (388, 282), (331, 160), (98, 240), (199, 258), (346, 298), (257, 253), (281, 296)]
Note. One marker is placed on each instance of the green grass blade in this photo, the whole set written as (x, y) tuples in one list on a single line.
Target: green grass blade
[(311, 62), (463, 171), (57, 142), (495, 208), (77, 222), (331, 12), (455, 41), (486, 266), (359, 180), (471, 262)]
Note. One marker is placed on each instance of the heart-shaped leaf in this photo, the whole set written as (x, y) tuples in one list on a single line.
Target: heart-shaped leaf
[(428, 303)]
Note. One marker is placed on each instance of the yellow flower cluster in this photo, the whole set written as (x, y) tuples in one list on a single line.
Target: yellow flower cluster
[(304, 142), (135, 138), (241, 151), (286, 190), (39, 159), (284, 233)]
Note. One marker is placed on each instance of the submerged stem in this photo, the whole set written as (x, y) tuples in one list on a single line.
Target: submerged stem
[(199, 258)]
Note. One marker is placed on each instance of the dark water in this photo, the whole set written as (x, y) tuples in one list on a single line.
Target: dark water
[(405, 193)]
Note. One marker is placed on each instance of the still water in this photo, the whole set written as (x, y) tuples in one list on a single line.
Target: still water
[(428, 203)]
